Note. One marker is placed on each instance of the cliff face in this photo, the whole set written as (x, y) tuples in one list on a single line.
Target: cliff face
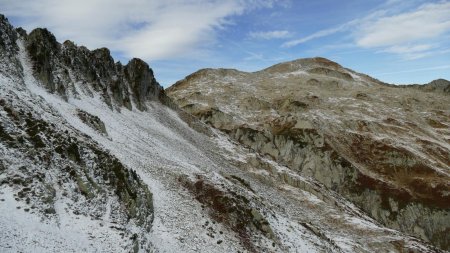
[(57, 65), (383, 147)]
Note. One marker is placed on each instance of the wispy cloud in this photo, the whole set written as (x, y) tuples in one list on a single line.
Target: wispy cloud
[(426, 22), (315, 35), (268, 35), (157, 29), (395, 28), (412, 35), (408, 49), (415, 70), (411, 51)]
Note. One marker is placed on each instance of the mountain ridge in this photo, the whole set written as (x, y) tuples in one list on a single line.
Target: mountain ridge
[(320, 61), (96, 158), (383, 140)]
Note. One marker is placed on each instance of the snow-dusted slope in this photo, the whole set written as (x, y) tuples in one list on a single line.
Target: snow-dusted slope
[(384, 147), (77, 171)]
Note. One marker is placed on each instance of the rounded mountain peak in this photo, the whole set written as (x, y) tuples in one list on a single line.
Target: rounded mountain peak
[(303, 64)]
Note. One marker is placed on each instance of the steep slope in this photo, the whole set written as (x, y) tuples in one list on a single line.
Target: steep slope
[(383, 147), (53, 176), (92, 160)]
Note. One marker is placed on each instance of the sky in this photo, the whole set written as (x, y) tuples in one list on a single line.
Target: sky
[(396, 41)]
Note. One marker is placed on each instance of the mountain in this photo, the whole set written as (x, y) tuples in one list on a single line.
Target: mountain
[(439, 85), (385, 148), (96, 157)]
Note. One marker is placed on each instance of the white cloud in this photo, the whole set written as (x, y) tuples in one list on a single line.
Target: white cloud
[(411, 51), (416, 70), (395, 27), (407, 49), (268, 35), (315, 35), (426, 22), (153, 30)]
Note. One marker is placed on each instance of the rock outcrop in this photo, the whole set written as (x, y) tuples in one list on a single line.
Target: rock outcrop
[(383, 147), (9, 64), (439, 85), (57, 65)]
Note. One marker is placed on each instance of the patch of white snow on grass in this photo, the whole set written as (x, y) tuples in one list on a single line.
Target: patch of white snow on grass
[(23, 231)]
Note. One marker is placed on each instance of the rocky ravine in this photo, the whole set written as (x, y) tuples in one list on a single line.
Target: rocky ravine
[(385, 148), (94, 160)]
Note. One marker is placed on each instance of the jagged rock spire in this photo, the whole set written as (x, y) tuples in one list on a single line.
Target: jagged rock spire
[(60, 66)]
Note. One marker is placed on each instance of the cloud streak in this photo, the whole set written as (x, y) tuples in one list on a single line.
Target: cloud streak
[(316, 35), (416, 70), (268, 35)]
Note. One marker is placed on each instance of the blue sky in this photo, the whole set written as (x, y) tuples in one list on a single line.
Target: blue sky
[(393, 40)]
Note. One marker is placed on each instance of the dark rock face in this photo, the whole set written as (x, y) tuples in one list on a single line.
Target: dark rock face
[(142, 82), (8, 48), (43, 48), (440, 85), (93, 121), (7, 38), (59, 66)]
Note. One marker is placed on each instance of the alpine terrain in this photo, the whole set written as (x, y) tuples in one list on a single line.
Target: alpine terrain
[(383, 147), (302, 157)]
